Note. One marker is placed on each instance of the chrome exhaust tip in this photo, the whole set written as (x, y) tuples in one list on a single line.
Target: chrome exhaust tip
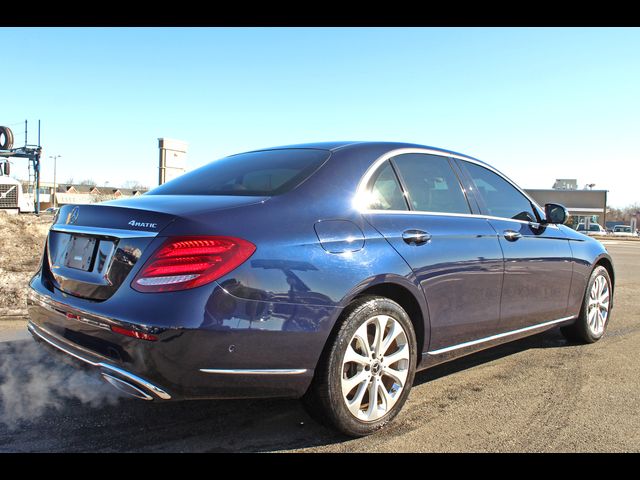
[(126, 387)]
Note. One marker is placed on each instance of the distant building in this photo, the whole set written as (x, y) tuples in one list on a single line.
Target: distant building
[(173, 159), (566, 184), (585, 206), (66, 194)]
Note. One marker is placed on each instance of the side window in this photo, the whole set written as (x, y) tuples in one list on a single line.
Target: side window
[(385, 191), (431, 184), (500, 198)]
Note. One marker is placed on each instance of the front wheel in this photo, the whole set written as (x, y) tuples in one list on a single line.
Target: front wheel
[(364, 377), (595, 313)]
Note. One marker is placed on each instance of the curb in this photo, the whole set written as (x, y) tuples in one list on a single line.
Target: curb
[(613, 237), (14, 318)]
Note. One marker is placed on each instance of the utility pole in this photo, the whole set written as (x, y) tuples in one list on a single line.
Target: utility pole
[(55, 185)]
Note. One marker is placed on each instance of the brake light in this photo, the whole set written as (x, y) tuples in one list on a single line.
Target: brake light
[(188, 262)]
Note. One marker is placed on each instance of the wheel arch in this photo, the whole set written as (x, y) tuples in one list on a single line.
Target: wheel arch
[(605, 261), (405, 293)]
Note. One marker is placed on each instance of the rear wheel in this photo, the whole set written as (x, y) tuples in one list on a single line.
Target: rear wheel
[(365, 375), (592, 322)]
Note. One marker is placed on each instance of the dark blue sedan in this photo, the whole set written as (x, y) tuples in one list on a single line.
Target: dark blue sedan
[(329, 271)]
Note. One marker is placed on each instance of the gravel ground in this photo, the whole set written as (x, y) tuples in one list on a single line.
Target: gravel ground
[(22, 239)]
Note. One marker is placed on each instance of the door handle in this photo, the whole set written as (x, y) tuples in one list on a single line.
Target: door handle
[(416, 237), (512, 235)]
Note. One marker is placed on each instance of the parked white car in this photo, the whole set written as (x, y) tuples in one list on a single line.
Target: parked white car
[(623, 231), (594, 229)]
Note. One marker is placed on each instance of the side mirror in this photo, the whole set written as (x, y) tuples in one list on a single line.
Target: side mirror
[(555, 213)]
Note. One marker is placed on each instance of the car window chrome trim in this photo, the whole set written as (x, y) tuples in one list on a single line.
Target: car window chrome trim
[(361, 190), (421, 212), (247, 371), (451, 214), (130, 376), (498, 336), (105, 232)]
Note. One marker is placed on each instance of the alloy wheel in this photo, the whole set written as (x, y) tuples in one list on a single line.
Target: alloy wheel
[(375, 368), (598, 306)]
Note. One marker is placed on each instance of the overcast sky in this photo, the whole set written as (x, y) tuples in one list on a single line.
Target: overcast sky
[(536, 103)]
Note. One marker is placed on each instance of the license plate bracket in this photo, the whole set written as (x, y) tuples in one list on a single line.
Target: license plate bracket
[(80, 252)]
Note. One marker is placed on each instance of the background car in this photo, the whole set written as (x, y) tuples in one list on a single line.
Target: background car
[(331, 272), (594, 229), (623, 231)]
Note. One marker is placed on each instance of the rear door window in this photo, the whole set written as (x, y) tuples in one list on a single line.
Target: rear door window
[(431, 184)]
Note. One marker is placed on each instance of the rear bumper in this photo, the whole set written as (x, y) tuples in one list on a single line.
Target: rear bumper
[(215, 361), (40, 334)]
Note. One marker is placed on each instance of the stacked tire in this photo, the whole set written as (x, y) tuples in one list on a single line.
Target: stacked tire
[(6, 138)]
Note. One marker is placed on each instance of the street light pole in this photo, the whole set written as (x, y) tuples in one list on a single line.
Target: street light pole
[(55, 186)]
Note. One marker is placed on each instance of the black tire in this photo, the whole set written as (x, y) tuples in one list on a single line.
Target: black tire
[(7, 134), (581, 331), (325, 401)]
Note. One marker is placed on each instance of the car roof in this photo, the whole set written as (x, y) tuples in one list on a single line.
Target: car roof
[(335, 146)]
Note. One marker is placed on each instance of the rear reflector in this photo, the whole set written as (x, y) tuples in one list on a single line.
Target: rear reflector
[(188, 262), (133, 333)]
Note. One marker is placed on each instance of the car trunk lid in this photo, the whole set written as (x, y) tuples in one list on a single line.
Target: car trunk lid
[(91, 249)]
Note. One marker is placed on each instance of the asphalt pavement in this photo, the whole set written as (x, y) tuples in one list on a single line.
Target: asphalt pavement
[(539, 394)]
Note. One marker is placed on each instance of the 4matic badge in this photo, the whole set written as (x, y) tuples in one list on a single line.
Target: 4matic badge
[(135, 223)]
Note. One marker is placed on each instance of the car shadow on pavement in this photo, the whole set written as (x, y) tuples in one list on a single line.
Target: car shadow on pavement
[(50, 406), (73, 423), (549, 339)]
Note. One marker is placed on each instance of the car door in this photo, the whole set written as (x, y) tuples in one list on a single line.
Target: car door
[(420, 207), (538, 258)]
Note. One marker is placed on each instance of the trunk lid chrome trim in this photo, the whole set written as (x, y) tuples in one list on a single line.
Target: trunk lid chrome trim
[(104, 232)]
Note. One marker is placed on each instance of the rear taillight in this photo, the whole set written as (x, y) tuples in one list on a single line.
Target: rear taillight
[(188, 262)]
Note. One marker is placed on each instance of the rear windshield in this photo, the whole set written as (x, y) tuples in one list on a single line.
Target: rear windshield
[(264, 173)]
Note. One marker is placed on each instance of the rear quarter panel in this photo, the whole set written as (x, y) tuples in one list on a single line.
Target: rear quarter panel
[(290, 266)]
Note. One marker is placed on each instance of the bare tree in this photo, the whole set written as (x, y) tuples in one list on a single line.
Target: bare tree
[(614, 214), (623, 215), (134, 185)]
